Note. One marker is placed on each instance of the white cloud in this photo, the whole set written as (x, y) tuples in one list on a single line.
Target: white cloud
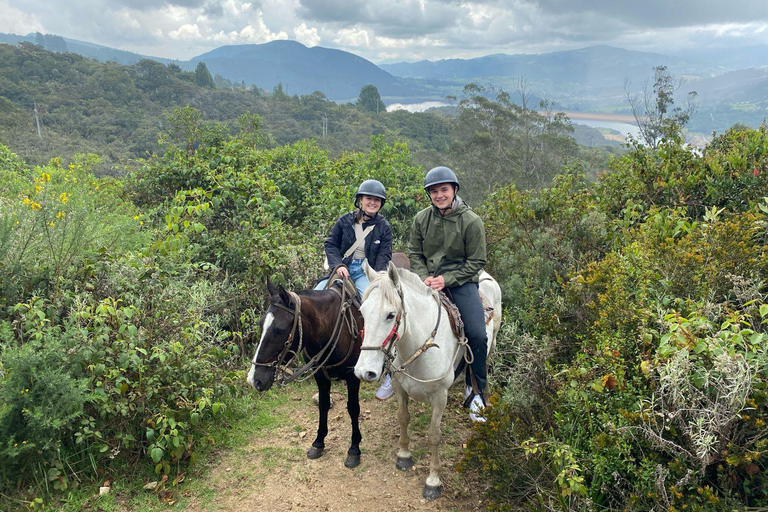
[(257, 32), (185, 33), (15, 21), (306, 36), (410, 29), (354, 38)]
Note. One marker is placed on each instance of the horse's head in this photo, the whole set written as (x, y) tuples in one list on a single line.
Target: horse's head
[(278, 338), (383, 316)]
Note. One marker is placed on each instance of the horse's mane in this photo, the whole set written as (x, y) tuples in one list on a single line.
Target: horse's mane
[(408, 279)]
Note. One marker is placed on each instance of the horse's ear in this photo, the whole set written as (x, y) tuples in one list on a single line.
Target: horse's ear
[(392, 273), (368, 271), (272, 289), (284, 297)]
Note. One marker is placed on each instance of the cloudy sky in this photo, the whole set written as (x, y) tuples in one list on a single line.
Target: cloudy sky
[(394, 30)]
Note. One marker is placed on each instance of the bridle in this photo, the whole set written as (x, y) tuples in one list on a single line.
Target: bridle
[(388, 345), (286, 350), (319, 360)]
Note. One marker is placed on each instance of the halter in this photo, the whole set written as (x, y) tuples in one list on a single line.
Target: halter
[(296, 312), (387, 348), (314, 363)]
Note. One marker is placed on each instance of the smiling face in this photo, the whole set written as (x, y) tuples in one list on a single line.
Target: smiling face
[(442, 195), (370, 204)]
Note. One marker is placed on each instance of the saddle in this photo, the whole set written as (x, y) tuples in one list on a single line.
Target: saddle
[(454, 317), (339, 284)]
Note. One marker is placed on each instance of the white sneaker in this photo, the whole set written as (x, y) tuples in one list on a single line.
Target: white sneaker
[(386, 390), (476, 408)]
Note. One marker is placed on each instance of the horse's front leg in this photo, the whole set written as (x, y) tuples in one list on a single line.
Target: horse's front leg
[(353, 408), (324, 391), (433, 486), (404, 457)]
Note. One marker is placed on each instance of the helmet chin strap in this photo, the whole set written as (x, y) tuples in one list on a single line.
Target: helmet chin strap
[(444, 211), (367, 217)]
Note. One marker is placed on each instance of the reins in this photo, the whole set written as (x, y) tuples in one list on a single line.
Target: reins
[(319, 360)]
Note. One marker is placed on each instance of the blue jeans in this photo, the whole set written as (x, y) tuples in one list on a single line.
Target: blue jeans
[(356, 274)]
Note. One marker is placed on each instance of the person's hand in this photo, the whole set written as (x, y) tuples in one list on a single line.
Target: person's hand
[(436, 283), (343, 272)]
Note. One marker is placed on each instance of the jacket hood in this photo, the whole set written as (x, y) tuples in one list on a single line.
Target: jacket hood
[(457, 210)]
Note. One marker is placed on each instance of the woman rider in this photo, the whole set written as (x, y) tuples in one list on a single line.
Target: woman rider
[(366, 224), (447, 251)]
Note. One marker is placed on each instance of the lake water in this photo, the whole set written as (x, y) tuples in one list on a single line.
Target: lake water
[(416, 107), (623, 128)]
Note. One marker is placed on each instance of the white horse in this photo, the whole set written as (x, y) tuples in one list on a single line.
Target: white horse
[(407, 328)]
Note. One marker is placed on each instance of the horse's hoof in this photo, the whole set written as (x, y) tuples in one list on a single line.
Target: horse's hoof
[(431, 493), (314, 453), (352, 461), (404, 463)]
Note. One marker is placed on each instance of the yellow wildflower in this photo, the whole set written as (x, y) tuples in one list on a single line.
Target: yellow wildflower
[(60, 215), (52, 223), (26, 201), (35, 206), (46, 176), (64, 197)]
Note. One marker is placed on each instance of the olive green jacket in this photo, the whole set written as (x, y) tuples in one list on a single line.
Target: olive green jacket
[(453, 245)]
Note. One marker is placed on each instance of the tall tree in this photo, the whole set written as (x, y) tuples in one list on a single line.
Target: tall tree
[(656, 113), (203, 77), (370, 100), (497, 143)]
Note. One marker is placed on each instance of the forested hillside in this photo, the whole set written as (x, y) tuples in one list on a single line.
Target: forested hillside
[(117, 111), (61, 104)]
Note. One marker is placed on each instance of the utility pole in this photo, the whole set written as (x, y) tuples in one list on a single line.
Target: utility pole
[(325, 125), (37, 120)]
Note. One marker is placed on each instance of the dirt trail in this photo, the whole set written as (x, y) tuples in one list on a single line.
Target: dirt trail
[(272, 473)]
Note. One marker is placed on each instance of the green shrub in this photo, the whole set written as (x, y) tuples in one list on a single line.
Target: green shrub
[(41, 404), (635, 373)]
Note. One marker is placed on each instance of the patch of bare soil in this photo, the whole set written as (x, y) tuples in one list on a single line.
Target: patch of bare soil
[(273, 473)]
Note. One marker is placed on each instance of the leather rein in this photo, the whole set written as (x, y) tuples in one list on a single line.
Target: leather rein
[(319, 360)]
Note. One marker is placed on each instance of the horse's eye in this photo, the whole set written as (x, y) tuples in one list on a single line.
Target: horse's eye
[(390, 316)]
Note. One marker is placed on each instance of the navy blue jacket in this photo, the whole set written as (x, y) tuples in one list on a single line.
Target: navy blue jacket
[(378, 243)]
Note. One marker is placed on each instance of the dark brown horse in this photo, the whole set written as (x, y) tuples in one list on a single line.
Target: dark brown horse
[(324, 326)]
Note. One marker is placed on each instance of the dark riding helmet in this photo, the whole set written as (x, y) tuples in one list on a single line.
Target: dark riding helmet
[(439, 175), (371, 188)]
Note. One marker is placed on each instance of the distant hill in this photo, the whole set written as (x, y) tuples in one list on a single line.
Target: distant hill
[(743, 86), (727, 59), (589, 79), (595, 66), (60, 44), (339, 75)]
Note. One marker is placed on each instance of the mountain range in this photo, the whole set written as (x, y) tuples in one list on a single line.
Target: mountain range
[(587, 79), (337, 74)]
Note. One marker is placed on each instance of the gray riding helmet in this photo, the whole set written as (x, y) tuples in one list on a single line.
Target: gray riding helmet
[(438, 175), (371, 188)]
